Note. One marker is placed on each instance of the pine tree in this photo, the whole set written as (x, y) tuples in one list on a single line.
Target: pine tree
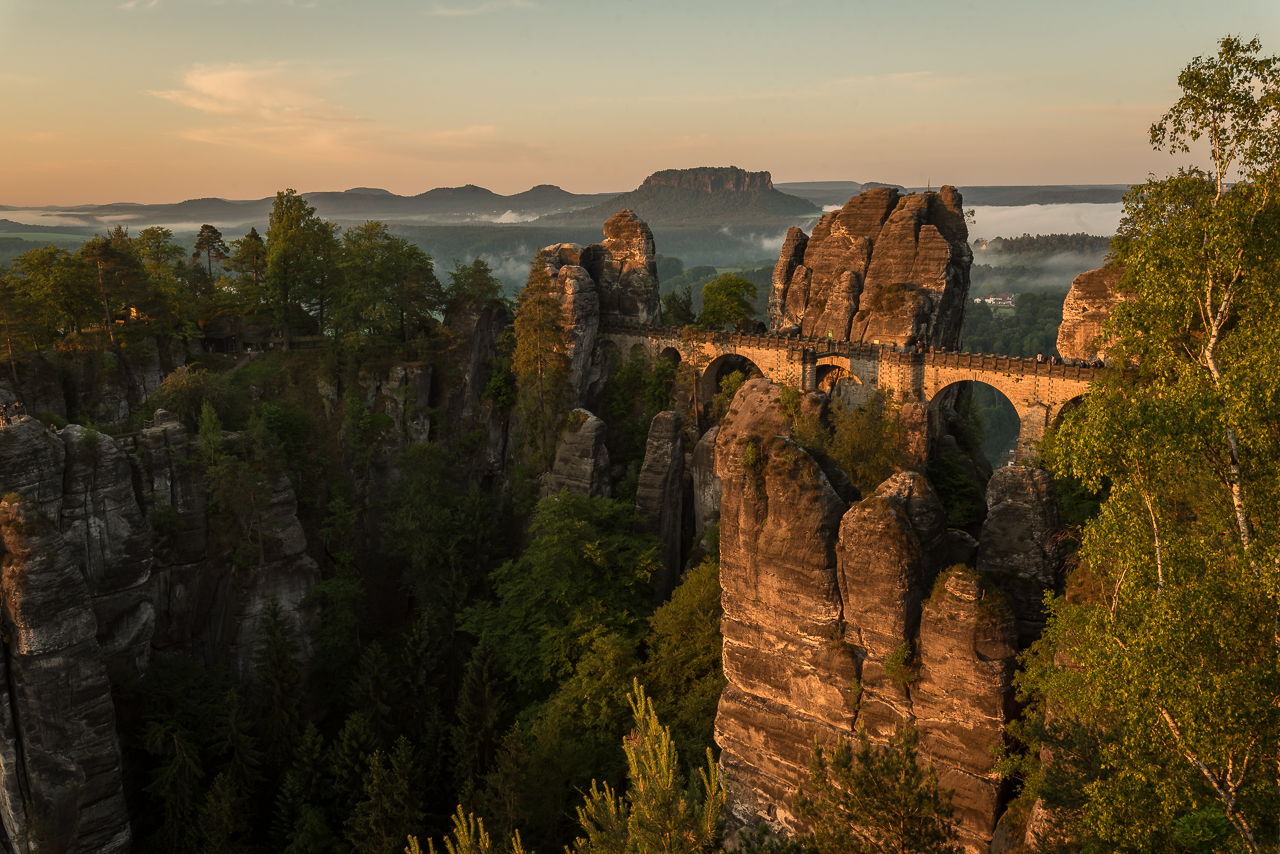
[(279, 687), (658, 813), (175, 784), (480, 711), (209, 242), (235, 733), (305, 786), (876, 800), (349, 756), (222, 818), (373, 689), (389, 812)]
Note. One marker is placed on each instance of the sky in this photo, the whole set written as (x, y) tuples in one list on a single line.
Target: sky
[(163, 100)]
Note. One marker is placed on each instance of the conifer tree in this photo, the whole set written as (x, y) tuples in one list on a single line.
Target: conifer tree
[(209, 243), (390, 811), (877, 800), (235, 733), (349, 756), (279, 687), (373, 690), (480, 712), (658, 813), (175, 784), (305, 787), (223, 817)]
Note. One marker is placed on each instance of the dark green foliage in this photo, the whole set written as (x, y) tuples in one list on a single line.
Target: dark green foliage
[(185, 392), (1049, 244), (635, 393), (587, 572), (727, 302), (481, 718), (389, 812), (1030, 329), (729, 385), (677, 307), (279, 687), (349, 757), (872, 800), (957, 489), (373, 690), (471, 285), (684, 673), (341, 601), (867, 443)]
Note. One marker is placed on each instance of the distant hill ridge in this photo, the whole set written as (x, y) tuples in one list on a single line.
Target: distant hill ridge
[(704, 194)]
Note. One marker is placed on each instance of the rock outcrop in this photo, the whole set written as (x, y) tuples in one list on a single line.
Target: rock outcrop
[(706, 485), (886, 268), (660, 494), (625, 269), (1020, 547), (582, 461), (60, 759), (1089, 303), (964, 695), (790, 676), (834, 619)]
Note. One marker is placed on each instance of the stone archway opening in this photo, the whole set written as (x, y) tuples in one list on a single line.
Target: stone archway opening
[(829, 376), (721, 369), (985, 415), (671, 354)]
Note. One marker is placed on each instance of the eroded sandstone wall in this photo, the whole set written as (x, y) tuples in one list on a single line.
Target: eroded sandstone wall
[(842, 613), (1089, 303)]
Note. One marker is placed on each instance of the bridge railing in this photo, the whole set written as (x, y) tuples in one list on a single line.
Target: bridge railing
[(824, 347)]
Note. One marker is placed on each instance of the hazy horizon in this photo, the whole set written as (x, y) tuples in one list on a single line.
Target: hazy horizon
[(155, 101)]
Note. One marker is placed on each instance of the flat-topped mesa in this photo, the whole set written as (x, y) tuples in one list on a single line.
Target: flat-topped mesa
[(884, 268), (712, 179), (1089, 303)]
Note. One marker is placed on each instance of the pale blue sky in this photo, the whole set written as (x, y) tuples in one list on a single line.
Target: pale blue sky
[(161, 100)]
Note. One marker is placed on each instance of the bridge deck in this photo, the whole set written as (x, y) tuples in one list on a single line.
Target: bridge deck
[(825, 348)]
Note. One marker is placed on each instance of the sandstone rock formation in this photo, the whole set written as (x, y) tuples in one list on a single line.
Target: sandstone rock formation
[(103, 523), (790, 677), (625, 270), (660, 494), (582, 461), (60, 758), (1019, 547), (882, 268), (830, 624), (706, 485), (579, 296), (105, 386), (964, 695), (1089, 303)]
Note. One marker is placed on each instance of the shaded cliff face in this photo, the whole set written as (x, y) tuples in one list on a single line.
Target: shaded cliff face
[(105, 386), (90, 588), (885, 267), (1089, 303), (834, 619), (60, 757)]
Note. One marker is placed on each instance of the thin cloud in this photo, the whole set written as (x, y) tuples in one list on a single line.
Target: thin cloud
[(280, 109), (267, 93), (482, 9), (140, 4)]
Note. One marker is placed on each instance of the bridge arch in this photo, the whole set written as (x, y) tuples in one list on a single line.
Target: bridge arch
[(671, 354), (720, 367), (1003, 423)]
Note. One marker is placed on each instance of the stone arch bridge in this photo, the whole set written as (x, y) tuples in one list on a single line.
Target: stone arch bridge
[(1038, 391)]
